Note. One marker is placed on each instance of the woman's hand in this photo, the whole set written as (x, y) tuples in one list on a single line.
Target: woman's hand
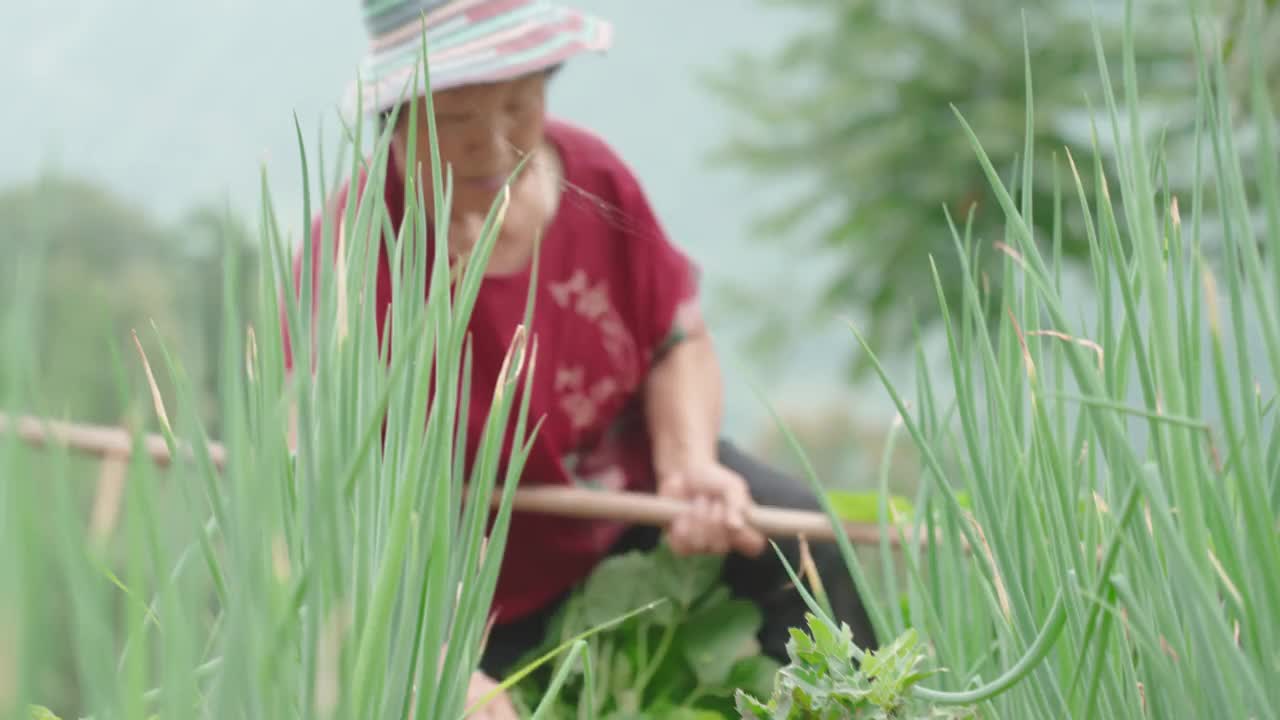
[(682, 403), (499, 708), (719, 506)]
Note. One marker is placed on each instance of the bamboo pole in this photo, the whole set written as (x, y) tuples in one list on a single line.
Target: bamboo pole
[(109, 442)]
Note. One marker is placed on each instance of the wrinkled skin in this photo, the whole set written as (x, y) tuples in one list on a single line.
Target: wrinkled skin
[(484, 131)]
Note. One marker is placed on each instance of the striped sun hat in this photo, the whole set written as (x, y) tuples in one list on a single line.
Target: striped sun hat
[(468, 42)]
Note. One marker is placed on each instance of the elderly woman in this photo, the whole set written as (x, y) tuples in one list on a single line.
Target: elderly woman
[(627, 385)]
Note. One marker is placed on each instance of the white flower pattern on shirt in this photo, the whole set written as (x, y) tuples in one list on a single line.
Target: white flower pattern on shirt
[(591, 302), (583, 399), (580, 402), (580, 399)]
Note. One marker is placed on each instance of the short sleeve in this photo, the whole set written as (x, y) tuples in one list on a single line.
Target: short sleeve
[(665, 278)]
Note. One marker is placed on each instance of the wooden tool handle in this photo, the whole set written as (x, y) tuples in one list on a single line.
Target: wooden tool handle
[(647, 509), (97, 440), (629, 507)]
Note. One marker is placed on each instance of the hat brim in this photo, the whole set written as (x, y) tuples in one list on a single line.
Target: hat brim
[(474, 44)]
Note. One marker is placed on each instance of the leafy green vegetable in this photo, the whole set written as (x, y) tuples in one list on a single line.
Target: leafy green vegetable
[(864, 507), (683, 660), (717, 635), (822, 683)]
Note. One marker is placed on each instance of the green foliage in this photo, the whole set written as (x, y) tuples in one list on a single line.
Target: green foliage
[(40, 712), (823, 682), (344, 576), (864, 507), (1103, 487), (105, 268), (683, 659), (95, 268), (850, 127), (1118, 444)]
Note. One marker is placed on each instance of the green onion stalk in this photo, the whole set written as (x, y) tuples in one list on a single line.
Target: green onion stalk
[(345, 576)]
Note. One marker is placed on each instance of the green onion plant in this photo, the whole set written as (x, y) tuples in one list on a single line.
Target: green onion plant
[(346, 576), (1120, 554)]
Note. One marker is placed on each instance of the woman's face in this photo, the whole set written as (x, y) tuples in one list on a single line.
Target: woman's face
[(483, 131)]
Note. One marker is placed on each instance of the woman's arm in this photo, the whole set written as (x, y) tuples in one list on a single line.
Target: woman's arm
[(684, 402), (684, 411)]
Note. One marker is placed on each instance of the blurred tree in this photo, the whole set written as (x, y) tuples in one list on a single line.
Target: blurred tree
[(860, 110), (106, 269)]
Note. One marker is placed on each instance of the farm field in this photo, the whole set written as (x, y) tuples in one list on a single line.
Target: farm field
[(1077, 515)]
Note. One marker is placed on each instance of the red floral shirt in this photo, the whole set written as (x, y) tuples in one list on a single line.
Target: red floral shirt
[(613, 290)]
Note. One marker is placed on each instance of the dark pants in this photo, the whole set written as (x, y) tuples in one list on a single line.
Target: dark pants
[(762, 580)]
